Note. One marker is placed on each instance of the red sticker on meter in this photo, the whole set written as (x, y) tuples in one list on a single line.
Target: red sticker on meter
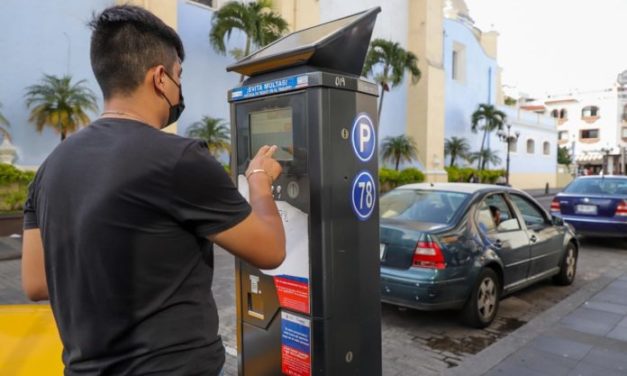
[(293, 293)]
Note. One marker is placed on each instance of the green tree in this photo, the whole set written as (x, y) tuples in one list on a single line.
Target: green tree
[(485, 156), (3, 124), (214, 131), (563, 156), (487, 119), (59, 104), (398, 149), (255, 19), (391, 62), (509, 101), (456, 147)]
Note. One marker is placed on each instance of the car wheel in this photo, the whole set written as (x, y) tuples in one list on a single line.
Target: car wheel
[(483, 303), (568, 267)]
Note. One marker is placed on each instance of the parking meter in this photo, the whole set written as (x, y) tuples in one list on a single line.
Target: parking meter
[(319, 313)]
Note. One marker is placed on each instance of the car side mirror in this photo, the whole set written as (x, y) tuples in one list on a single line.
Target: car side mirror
[(557, 221)]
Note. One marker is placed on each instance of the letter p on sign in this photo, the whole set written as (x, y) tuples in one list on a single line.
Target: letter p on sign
[(363, 137)]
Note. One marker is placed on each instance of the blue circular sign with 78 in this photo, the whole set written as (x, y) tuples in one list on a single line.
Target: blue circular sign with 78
[(363, 137), (363, 195)]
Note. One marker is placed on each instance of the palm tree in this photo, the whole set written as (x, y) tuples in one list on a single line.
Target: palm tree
[(398, 149), (255, 19), (215, 131), (491, 120), (485, 156), (456, 146), (393, 61), (4, 123), (60, 104)]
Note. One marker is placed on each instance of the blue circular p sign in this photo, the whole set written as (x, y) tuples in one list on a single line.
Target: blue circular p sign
[(363, 137), (363, 195)]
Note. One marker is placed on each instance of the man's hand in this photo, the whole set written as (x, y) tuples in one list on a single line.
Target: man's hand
[(264, 163), (260, 238)]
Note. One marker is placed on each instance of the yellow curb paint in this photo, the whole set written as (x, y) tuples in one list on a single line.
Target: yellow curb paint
[(29, 341)]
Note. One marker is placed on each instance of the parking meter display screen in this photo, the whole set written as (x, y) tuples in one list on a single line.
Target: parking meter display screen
[(273, 127)]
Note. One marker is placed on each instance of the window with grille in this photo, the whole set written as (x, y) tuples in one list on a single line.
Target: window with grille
[(588, 134)]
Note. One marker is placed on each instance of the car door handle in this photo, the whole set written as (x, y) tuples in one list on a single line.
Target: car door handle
[(533, 239)]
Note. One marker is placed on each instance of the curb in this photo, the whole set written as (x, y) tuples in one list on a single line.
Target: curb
[(491, 356)]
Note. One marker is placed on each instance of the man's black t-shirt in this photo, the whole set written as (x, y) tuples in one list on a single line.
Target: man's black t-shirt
[(124, 212)]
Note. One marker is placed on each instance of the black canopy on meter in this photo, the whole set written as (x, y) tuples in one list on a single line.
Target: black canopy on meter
[(339, 45)]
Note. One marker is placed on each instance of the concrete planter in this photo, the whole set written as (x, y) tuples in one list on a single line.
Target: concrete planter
[(10, 224)]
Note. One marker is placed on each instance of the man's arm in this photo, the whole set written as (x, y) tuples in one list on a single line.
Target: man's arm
[(259, 239), (33, 270)]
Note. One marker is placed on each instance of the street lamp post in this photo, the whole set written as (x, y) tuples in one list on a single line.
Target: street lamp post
[(508, 138)]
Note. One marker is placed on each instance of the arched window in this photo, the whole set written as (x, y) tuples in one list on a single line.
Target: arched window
[(531, 146), (590, 111), (563, 114), (546, 148), (555, 113)]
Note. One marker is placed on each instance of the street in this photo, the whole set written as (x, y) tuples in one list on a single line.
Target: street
[(426, 343)]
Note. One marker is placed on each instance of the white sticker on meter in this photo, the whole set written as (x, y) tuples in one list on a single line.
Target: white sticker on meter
[(296, 226)]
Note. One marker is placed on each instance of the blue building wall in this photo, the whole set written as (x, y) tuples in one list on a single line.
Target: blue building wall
[(52, 37), (38, 37), (478, 86)]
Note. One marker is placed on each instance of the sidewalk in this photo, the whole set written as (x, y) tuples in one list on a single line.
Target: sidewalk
[(541, 192), (585, 334)]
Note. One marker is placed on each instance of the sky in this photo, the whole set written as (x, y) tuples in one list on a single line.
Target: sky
[(556, 46)]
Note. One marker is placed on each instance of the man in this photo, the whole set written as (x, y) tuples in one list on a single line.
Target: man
[(496, 215), (121, 217)]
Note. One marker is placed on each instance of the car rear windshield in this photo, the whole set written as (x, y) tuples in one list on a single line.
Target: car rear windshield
[(421, 205), (603, 186)]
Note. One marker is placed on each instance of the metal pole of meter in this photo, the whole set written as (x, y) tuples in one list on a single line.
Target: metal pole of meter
[(319, 313)]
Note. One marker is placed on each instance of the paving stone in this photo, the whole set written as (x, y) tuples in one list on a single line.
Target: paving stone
[(618, 284), (617, 296), (619, 333), (507, 369), (610, 359), (543, 362), (592, 321), (560, 347), (607, 307), (587, 369)]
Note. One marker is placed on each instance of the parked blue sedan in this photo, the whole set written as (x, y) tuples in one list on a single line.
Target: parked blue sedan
[(464, 246), (594, 205)]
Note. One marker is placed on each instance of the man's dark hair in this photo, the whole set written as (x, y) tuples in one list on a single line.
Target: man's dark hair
[(126, 42)]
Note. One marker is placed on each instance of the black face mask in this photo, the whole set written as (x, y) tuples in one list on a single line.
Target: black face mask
[(177, 109)]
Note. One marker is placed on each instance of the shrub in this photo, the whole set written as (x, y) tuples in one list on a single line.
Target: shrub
[(462, 174), (11, 175), (410, 175), (390, 179), (13, 187)]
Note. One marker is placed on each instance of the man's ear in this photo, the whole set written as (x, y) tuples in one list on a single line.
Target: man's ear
[(158, 77)]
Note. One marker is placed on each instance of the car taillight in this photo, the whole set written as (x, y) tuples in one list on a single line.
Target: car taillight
[(621, 209), (428, 254), (555, 206)]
